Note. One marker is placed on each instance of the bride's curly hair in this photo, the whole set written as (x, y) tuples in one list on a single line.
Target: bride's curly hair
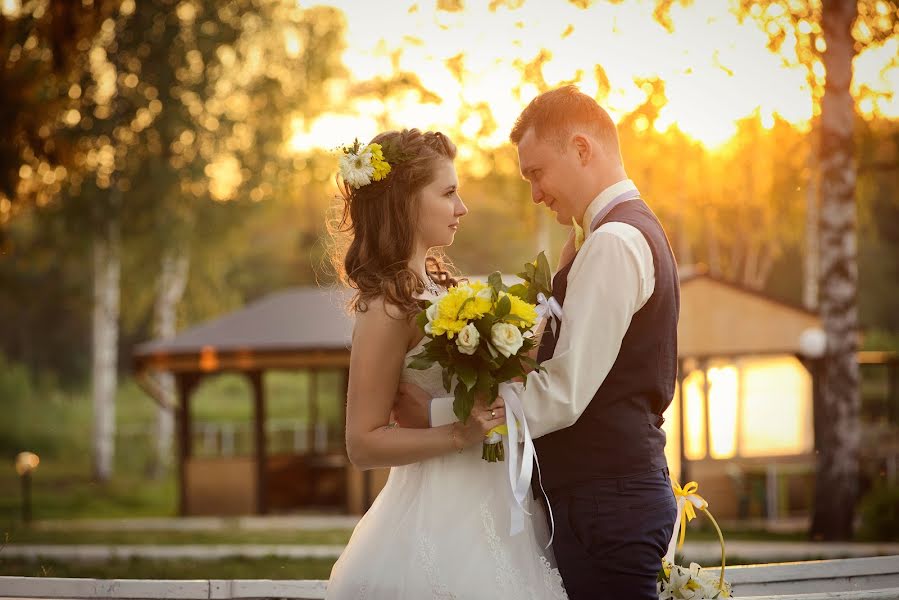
[(375, 232)]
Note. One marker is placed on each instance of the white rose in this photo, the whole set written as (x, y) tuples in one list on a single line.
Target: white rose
[(507, 338), (468, 339), (431, 314)]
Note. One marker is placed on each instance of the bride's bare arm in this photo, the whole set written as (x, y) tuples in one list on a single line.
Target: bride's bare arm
[(378, 354)]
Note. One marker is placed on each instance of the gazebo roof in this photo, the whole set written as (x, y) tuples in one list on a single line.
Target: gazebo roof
[(720, 318), (309, 327), (304, 323)]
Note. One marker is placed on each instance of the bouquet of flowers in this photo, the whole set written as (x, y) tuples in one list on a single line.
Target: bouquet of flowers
[(694, 583), (480, 335)]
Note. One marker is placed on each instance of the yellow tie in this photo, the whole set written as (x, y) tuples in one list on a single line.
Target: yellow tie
[(578, 234)]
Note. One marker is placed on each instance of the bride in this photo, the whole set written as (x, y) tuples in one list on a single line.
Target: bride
[(440, 527)]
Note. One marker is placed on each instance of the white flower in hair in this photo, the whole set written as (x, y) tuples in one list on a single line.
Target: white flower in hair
[(356, 168)]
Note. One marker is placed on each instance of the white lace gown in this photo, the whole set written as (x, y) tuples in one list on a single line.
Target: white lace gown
[(440, 529)]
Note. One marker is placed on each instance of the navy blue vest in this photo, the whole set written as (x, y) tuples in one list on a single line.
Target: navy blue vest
[(619, 432)]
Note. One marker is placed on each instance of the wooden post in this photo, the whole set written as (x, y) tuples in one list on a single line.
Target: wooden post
[(893, 391), (706, 405), (256, 383), (185, 384), (312, 411), (681, 411)]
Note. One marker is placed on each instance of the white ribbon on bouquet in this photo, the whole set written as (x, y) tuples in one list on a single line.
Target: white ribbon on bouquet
[(549, 308), (521, 459)]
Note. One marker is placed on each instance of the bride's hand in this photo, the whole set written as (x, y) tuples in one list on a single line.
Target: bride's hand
[(483, 418)]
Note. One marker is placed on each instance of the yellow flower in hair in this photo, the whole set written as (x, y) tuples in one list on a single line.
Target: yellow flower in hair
[(379, 164)]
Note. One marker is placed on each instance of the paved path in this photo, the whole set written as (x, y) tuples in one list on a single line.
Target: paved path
[(706, 553)]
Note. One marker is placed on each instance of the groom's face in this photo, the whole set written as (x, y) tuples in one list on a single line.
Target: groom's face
[(553, 175)]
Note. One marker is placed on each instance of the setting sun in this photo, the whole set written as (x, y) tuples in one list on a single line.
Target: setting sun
[(715, 69)]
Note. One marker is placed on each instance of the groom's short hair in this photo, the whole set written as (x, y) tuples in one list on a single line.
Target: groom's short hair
[(554, 115)]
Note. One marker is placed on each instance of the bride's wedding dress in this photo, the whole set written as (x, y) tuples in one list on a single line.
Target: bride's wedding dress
[(440, 529)]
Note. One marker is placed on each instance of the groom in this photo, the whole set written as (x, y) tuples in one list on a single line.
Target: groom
[(608, 366)]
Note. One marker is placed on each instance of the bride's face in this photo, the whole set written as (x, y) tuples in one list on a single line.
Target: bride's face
[(440, 208)]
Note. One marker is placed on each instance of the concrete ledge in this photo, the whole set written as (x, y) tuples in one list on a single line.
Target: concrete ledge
[(842, 575), (875, 578)]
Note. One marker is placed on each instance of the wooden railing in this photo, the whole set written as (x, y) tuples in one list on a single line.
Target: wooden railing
[(874, 578)]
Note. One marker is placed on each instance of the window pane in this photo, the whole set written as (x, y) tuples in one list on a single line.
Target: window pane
[(776, 412), (723, 389), (694, 439)]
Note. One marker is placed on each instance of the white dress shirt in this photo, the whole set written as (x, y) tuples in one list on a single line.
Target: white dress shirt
[(611, 279)]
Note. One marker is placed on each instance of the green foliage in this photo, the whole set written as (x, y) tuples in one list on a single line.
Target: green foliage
[(879, 512)]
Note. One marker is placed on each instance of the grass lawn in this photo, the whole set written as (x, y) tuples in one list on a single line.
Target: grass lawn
[(57, 426), (232, 568)]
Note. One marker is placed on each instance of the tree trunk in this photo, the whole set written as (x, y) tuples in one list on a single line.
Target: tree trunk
[(837, 462), (107, 269), (712, 245), (172, 281), (684, 252), (810, 273)]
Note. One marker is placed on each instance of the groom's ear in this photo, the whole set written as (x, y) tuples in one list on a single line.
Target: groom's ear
[(584, 148)]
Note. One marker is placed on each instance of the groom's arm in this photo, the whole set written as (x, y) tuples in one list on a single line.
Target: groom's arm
[(611, 279)]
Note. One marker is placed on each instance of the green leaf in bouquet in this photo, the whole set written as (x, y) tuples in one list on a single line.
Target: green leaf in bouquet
[(421, 361), (529, 270), (495, 280), (530, 362), (510, 369), (503, 308), (448, 379), (483, 326), (463, 402), (421, 319), (485, 380), (462, 306), (543, 277), (467, 375), (520, 290), (437, 350)]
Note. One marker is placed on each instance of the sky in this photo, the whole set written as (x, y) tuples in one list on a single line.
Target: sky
[(716, 70)]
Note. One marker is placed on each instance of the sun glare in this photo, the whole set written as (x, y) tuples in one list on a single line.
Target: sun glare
[(715, 69)]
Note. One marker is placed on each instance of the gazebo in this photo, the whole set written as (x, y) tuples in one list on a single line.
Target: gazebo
[(741, 421), (739, 365), (300, 329)]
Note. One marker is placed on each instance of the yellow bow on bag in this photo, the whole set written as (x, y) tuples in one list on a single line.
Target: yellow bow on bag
[(688, 498), (688, 493)]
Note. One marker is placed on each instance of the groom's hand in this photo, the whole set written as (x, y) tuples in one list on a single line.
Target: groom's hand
[(411, 408)]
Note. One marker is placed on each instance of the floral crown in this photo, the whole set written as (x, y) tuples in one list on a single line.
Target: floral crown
[(360, 165)]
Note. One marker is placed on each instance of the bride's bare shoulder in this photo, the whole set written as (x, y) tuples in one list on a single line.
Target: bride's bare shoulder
[(383, 321)]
